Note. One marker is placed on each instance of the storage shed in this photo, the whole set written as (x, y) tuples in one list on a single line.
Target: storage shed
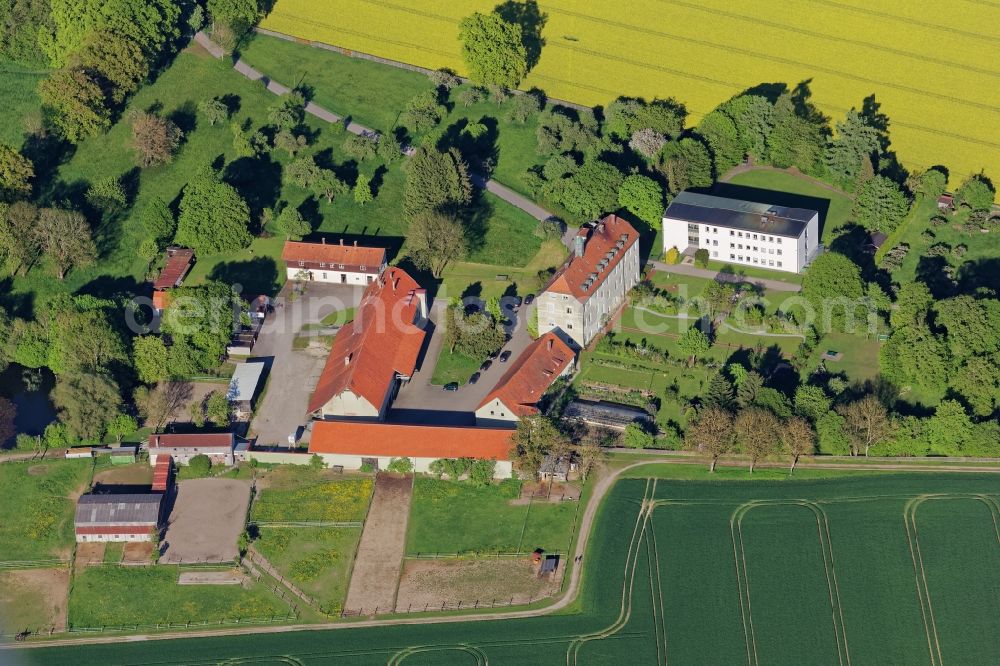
[(243, 388), (117, 517)]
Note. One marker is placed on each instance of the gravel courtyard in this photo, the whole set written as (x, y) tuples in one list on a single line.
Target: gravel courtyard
[(206, 521)]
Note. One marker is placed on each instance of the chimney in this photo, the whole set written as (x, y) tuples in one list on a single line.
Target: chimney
[(341, 242), (347, 359), (550, 344), (421, 295), (323, 240), (355, 243), (578, 242), (395, 283)]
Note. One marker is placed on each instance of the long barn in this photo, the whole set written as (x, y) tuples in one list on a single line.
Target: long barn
[(131, 517)]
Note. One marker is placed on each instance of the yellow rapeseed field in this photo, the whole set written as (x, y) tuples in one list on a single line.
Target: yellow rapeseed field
[(933, 66)]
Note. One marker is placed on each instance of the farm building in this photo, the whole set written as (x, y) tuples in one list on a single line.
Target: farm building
[(946, 202), (337, 263), (377, 352), (217, 446), (592, 284), (178, 262), (117, 517), (80, 452), (606, 414), (243, 388), (162, 474), (742, 232), (556, 468), (524, 383), (352, 444)]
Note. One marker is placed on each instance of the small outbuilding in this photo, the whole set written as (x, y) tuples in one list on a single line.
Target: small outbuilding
[(556, 468), (243, 388), (946, 202), (117, 517), (605, 414)]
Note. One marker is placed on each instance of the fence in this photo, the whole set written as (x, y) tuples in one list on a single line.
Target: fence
[(34, 564), (159, 626), (306, 523), (478, 604), (259, 560)]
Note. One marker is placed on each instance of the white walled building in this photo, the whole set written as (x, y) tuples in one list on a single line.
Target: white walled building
[(334, 262), (218, 446), (353, 444), (742, 232), (592, 284), (131, 517)]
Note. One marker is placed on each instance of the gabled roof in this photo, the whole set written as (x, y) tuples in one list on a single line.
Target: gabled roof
[(175, 268), (334, 254), (359, 438), (379, 344), (531, 374), (112, 509), (739, 214), (201, 440), (604, 245)]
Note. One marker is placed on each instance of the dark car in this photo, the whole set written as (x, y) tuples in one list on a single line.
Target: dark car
[(505, 356), (529, 299), (486, 365), (453, 386), (474, 378)]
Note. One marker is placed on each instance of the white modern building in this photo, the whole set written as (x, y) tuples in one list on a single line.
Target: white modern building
[(590, 287), (744, 233), (334, 262)]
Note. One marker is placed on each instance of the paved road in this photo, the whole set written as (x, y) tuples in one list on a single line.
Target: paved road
[(293, 374), (694, 271), (420, 401)]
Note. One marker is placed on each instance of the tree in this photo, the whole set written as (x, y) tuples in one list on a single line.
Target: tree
[(388, 148), (107, 194), (240, 15), (976, 192), (400, 466), (481, 472), (913, 302), (434, 240), (719, 392), (753, 117), (711, 433), (535, 436), (16, 172), (288, 112), (754, 429), (154, 404), (626, 116), (214, 218), (422, 113), (359, 147), (643, 197), (158, 221), (64, 237), (855, 141), (636, 437), (478, 336), (701, 257), (798, 136), (523, 107), (200, 465), (363, 189), (289, 142), (833, 287), (931, 183), (121, 425), (436, 181), (647, 142), (495, 310), (949, 429), (972, 325), (86, 403), (19, 242), (867, 423), (798, 439), (812, 402), (880, 205), (246, 143), (686, 163), (593, 190), (150, 358), (154, 139), (56, 436), (291, 224), (8, 412), (672, 256), (148, 249), (76, 103), (915, 356), (118, 59), (444, 79), (200, 320), (748, 388), (693, 343), (723, 140), (493, 50), (977, 381), (217, 408), (591, 455), (214, 110)]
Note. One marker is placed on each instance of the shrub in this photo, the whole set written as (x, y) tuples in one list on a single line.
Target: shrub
[(400, 466), (701, 257), (636, 437), (673, 256), (200, 465)]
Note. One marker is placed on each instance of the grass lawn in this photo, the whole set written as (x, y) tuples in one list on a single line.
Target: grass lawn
[(483, 277), (111, 595), (751, 272), (457, 517), (838, 208), (454, 367), (36, 515), (317, 560), (18, 90), (331, 501), (860, 360), (508, 237), (338, 317)]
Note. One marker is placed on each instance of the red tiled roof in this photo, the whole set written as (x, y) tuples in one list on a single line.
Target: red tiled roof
[(531, 374), (371, 258), (380, 343), (358, 438), (201, 440), (161, 473), (161, 299), (124, 529), (178, 262), (599, 240)]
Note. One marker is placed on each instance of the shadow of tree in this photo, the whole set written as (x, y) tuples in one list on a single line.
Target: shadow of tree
[(532, 20), (256, 276)]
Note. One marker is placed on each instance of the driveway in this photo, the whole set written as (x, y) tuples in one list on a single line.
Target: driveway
[(422, 402), (292, 375)]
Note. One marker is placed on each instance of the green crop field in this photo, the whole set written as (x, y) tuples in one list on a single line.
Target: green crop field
[(870, 569), (931, 66)]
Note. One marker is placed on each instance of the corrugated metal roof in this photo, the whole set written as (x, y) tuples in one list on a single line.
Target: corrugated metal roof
[(114, 509), (244, 383), (739, 214)]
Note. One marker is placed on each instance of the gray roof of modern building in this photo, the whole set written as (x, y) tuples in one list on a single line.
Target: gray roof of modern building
[(115, 509), (739, 214)]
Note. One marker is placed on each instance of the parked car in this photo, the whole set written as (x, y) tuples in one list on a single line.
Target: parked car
[(452, 386), (474, 378), (529, 299), (486, 365), (505, 356)]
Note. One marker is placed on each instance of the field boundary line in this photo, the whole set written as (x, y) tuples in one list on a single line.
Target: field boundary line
[(920, 579), (826, 548), (742, 580), (658, 594)]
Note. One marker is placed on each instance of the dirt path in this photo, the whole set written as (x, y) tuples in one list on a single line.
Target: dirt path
[(380, 553)]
